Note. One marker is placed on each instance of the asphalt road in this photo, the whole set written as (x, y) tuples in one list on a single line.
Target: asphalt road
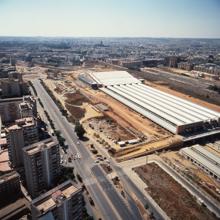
[(129, 186), (113, 195), (107, 206)]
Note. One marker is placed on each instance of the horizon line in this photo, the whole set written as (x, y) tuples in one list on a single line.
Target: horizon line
[(57, 36)]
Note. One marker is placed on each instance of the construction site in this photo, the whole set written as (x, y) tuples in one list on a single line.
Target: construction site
[(170, 195), (133, 117), (130, 119), (201, 174)]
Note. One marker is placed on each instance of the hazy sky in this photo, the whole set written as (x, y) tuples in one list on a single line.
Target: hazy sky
[(109, 18)]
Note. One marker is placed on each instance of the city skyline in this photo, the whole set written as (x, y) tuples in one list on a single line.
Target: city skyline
[(109, 109), (188, 19)]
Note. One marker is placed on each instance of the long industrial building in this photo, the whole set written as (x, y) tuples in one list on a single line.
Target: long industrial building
[(177, 115), (203, 158)]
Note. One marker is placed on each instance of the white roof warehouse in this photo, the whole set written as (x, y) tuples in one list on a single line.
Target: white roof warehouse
[(208, 161), (173, 113)]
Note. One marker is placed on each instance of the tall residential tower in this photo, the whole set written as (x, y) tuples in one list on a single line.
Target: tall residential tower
[(64, 202), (42, 165)]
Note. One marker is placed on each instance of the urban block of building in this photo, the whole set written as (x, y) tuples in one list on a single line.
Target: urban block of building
[(9, 184), (13, 85), (42, 165), (12, 109), (22, 133), (12, 203), (62, 202)]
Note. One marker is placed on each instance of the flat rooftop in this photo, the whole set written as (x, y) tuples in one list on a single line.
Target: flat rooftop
[(16, 209), (25, 105), (16, 99), (4, 161), (40, 146), (113, 77), (54, 197), (23, 122), (8, 176)]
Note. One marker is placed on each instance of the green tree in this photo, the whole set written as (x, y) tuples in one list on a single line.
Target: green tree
[(80, 131)]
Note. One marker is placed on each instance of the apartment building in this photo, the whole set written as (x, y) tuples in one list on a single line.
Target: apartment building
[(13, 205), (9, 184), (63, 202), (11, 108), (22, 133), (42, 165)]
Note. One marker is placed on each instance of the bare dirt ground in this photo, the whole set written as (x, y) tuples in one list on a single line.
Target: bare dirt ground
[(90, 112), (178, 203), (192, 172), (176, 70), (135, 120), (75, 98), (73, 103), (148, 148), (125, 124), (76, 112), (30, 73), (71, 99), (59, 88), (110, 128)]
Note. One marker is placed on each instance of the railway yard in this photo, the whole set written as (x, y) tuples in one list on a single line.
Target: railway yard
[(137, 133), (128, 132), (100, 120)]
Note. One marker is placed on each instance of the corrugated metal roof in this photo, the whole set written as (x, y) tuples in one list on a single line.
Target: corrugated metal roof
[(194, 107), (167, 110), (152, 116), (207, 154), (202, 160), (169, 102), (147, 106)]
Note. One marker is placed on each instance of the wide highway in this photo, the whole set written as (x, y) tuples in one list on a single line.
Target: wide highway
[(112, 207)]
